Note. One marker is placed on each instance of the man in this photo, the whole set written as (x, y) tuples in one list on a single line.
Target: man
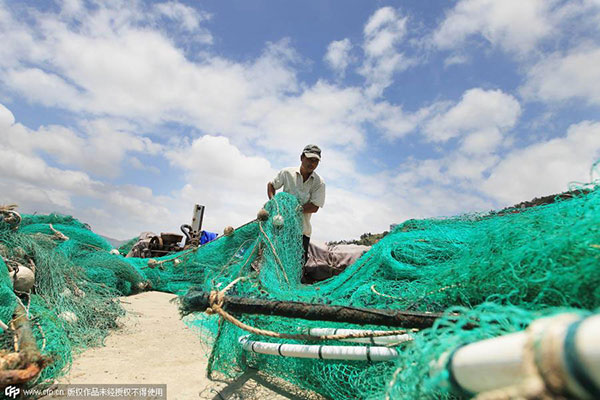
[(306, 185)]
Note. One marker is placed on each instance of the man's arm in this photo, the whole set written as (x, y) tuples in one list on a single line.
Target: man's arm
[(318, 197), (270, 190), (309, 208)]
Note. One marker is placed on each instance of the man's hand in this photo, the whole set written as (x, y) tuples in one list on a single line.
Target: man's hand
[(270, 190)]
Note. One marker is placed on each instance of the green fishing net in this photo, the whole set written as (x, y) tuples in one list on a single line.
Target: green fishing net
[(7, 295), (503, 269)]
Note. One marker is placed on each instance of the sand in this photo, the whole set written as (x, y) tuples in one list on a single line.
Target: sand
[(154, 346)]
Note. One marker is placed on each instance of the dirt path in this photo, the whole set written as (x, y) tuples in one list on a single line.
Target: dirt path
[(154, 346)]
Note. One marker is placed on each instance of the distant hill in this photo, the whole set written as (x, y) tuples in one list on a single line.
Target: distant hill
[(114, 242), (366, 239)]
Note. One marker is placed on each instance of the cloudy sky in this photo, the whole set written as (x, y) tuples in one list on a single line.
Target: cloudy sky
[(125, 114)]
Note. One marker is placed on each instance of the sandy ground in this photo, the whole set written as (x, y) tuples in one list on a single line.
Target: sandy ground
[(154, 346)]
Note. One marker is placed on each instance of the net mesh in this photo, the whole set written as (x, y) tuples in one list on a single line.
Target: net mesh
[(503, 269)]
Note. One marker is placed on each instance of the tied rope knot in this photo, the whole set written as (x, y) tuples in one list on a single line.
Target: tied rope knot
[(216, 298)]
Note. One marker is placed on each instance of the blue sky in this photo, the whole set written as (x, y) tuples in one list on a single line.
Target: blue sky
[(125, 114)]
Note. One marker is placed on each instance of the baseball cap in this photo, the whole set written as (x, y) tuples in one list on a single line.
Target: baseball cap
[(312, 151)]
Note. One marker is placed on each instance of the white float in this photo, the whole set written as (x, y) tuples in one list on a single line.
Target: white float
[(357, 353), (24, 280), (68, 316), (278, 221)]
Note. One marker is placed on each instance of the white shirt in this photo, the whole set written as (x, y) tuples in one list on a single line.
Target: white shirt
[(313, 191)]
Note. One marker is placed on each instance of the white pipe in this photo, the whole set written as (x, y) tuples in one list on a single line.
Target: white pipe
[(393, 339), (362, 353), (587, 348), (489, 364), (500, 362)]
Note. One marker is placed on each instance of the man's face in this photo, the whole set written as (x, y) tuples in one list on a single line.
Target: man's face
[(309, 164)]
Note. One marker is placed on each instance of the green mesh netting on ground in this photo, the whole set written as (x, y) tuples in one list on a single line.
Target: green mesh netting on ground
[(502, 269)]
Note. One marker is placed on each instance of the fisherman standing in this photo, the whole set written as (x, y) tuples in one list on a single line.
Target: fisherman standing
[(306, 185)]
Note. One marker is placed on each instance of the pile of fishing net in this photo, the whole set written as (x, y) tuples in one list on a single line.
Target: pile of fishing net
[(73, 303), (502, 270), (68, 308)]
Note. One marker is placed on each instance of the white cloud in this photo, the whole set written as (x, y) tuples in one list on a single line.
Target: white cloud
[(33, 198), (107, 146), (72, 7), (34, 170), (582, 16), (482, 141), (101, 61), (272, 74), (99, 148), (456, 59), (46, 88), (480, 117), (460, 182), (383, 32), (347, 214), (60, 143), (437, 187), (230, 184), (214, 159), (479, 123), (468, 169), (188, 18), (111, 66), (6, 117), (393, 122), (513, 25), (545, 168), (30, 181), (324, 114), (382, 29), (561, 77), (336, 166), (338, 55), (138, 164), (18, 41)]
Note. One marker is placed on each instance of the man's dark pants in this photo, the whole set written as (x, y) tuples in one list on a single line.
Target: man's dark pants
[(305, 243)]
